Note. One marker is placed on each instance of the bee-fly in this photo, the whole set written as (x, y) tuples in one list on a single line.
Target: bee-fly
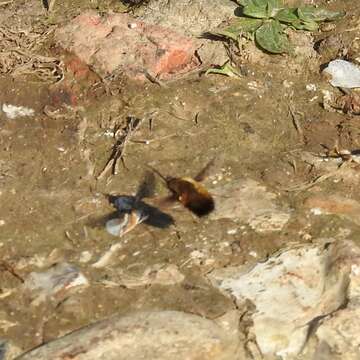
[(193, 195), (131, 210)]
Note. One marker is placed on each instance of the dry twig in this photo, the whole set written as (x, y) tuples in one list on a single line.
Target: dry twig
[(18, 54), (296, 123), (122, 136), (4, 266), (319, 179)]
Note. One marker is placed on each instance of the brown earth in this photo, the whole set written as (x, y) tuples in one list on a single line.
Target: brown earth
[(258, 127)]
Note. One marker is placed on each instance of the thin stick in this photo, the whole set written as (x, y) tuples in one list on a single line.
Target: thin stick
[(158, 173), (149, 141), (119, 148), (202, 175), (154, 79), (319, 179), (296, 123), (7, 267)]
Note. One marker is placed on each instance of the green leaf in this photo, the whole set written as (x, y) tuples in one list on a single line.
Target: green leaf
[(256, 9), (311, 13), (227, 34), (287, 15), (226, 69), (273, 7), (270, 37), (305, 25), (259, 3), (243, 2), (239, 26), (244, 25), (262, 8)]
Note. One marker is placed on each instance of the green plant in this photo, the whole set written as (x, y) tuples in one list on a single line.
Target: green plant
[(265, 21), (226, 69)]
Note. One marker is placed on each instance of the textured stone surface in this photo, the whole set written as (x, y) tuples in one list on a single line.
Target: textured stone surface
[(166, 335), (252, 203), (119, 42), (334, 205), (294, 289)]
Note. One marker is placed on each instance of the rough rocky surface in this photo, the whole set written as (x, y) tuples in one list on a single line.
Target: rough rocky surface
[(151, 335), (251, 203), (121, 43), (295, 289)]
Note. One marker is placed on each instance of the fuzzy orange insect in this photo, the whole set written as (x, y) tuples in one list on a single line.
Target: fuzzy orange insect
[(190, 192)]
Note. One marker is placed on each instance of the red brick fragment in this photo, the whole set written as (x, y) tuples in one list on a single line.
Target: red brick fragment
[(119, 42)]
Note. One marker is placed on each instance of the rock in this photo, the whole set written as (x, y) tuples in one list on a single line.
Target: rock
[(332, 47), (85, 256), (13, 112), (248, 201), (334, 205), (119, 42), (108, 256), (341, 330), (158, 335), (343, 74), (8, 351), (55, 283), (347, 173), (291, 291), (198, 17), (155, 275)]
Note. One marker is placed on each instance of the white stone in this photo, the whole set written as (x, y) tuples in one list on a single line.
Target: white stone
[(291, 290), (343, 74), (12, 111)]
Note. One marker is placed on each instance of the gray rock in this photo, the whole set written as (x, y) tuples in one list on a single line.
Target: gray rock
[(293, 290), (248, 201), (163, 335), (55, 282)]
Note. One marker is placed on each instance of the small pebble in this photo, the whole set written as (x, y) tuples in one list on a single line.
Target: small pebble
[(316, 211), (196, 254), (287, 84), (232, 231), (355, 269), (209, 262), (85, 257), (311, 87)]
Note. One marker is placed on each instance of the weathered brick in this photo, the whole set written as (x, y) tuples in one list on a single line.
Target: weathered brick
[(119, 42)]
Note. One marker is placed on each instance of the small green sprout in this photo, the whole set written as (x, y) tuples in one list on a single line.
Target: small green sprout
[(226, 69)]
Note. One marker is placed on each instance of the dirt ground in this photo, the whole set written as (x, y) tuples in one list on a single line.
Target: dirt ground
[(263, 126)]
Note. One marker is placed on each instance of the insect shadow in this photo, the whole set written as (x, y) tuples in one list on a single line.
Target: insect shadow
[(132, 210)]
